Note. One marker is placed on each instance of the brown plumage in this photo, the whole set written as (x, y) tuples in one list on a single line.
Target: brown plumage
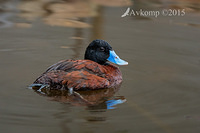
[(94, 72), (80, 74)]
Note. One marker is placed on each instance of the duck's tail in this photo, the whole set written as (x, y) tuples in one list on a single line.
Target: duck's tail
[(38, 87), (35, 86)]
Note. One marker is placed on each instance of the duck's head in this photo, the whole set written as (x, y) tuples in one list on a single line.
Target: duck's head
[(100, 51)]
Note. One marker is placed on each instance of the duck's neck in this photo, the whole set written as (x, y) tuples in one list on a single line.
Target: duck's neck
[(114, 74)]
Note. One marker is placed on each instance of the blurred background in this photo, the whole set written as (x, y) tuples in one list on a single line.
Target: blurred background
[(160, 84)]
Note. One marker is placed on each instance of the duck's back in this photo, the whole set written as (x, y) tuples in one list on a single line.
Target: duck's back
[(80, 74)]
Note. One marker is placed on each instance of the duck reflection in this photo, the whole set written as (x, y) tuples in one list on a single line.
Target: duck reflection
[(92, 99)]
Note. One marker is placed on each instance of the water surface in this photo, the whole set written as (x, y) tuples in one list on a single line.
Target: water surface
[(160, 84)]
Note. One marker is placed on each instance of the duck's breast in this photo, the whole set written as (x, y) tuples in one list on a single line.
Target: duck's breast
[(113, 74)]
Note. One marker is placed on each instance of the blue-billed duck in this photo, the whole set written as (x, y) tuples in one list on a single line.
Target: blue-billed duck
[(96, 71)]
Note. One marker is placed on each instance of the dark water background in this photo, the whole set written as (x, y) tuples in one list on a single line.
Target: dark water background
[(161, 84)]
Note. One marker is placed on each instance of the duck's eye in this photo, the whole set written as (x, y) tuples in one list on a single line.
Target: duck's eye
[(102, 48)]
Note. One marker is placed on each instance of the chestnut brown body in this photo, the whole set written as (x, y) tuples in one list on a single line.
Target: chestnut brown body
[(80, 74)]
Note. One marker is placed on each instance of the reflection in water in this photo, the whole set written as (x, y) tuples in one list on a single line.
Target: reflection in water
[(189, 5), (156, 5), (97, 25), (7, 11), (65, 13), (172, 107), (97, 102), (76, 47), (92, 99), (68, 13)]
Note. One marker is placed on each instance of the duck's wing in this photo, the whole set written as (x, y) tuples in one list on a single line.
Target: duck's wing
[(84, 80), (58, 79), (54, 75), (78, 65), (64, 65), (74, 74)]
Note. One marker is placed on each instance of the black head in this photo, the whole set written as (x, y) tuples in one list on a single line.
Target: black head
[(98, 51)]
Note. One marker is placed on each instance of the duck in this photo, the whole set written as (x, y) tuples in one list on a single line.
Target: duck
[(98, 70)]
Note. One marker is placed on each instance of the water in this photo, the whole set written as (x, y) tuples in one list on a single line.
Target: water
[(160, 88)]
